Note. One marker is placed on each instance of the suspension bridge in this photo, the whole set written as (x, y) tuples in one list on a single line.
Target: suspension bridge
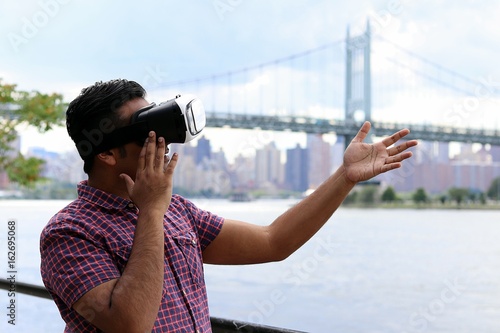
[(333, 88)]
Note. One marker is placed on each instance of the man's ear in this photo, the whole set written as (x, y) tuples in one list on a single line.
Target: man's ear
[(108, 157)]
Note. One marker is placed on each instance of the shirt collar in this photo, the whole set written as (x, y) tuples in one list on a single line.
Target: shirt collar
[(101, 198)]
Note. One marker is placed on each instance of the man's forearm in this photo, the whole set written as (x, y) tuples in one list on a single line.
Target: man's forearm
[(297, 225), (136, 296)]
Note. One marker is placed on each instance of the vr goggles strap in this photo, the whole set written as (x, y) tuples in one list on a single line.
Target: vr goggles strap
[(135, 132)]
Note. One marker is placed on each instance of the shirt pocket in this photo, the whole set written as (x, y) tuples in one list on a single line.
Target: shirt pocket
[(188, 244)]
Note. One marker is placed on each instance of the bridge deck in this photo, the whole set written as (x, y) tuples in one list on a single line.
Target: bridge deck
[(350, 128)]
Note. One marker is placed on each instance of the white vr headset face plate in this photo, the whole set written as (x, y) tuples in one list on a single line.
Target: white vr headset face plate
[(193, 113)]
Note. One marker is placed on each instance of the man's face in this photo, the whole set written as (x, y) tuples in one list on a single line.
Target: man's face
[(127, 162)]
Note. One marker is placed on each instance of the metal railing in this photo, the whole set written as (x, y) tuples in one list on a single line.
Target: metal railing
[(219, 325)]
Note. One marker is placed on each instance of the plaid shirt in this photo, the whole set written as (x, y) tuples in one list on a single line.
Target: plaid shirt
[(89, 242)]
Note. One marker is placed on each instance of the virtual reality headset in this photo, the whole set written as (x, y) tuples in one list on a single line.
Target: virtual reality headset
[(178, 120)]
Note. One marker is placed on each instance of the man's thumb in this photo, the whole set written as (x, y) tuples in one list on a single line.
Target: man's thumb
[(129, 183)]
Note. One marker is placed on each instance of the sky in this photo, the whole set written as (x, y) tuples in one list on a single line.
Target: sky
[(65, 45)]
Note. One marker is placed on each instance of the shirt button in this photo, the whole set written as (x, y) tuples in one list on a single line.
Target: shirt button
[(184, 292), (193, 241), (131, 205)]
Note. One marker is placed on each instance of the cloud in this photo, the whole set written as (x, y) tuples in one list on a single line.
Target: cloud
[(161, 42)]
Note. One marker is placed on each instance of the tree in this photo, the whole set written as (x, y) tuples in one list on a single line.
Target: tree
[(17, 108), (494, 189), (443, 199), (420, 196), (482, 198), (458, 194), (367, 195), (389, 195), (351, 198)]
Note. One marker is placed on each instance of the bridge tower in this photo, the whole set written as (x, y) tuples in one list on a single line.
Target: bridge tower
[(357, 78)]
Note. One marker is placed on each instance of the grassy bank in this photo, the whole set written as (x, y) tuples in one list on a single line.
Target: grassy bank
[(412, 205)]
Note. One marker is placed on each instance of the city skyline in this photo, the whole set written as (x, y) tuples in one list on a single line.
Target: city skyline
[(269, 168)]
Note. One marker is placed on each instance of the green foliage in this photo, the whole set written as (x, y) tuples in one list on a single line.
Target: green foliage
[(24, 171), (43, 111), (494, 189), (420, 196), (458, 194), (389, 195), (51, 189), (367, 195), (482, 198), (351, 198)]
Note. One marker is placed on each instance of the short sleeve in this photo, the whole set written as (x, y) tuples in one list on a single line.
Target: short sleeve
[(207, 224), (72, 263)]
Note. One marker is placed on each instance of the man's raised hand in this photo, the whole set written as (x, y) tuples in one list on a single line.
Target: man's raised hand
[(363, 161), (152, 188)]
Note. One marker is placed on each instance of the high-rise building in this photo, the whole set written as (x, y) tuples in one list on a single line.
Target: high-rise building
[(268, 167), (466, 152), (243, 173), (474, 175), (495, 153), (220, 158), (185, 175), (319, 160), (203, 150), (50, 167), (296, 169), (424, 152), (337, 153), (443, 152)]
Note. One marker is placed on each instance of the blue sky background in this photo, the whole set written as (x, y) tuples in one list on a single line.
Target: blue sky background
[(65, 45)]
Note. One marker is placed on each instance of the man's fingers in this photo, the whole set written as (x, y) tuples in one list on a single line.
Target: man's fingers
[(395, 137), (363, 132), (398, 158), (142, 156), (389, 167), (150, 150), (402, 147), (129, 183), (160, 154), (169, 169)]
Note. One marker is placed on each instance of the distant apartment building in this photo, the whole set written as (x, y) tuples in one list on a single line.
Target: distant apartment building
[(186, 173), (201, 170), (296, 169), (495, 153), (64, 167), (242, 173), (269, 172), (203, 150), (337, 153), (476, 176), (320, 161), (432, 169)]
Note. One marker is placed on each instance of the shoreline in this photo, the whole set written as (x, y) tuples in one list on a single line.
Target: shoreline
[(494, 206)]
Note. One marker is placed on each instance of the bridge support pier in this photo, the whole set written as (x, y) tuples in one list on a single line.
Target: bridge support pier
[(357, 79)]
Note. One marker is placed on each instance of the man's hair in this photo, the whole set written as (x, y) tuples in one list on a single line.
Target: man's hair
[(95, 104)]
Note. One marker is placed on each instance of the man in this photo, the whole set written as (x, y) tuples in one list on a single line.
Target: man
[(127, 255)]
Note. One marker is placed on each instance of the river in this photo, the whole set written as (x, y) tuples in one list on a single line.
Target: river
[(367, 270)]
